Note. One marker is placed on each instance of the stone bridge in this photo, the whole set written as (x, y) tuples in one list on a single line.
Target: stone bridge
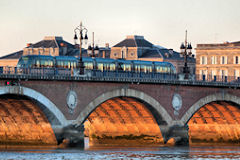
[(68, 103)]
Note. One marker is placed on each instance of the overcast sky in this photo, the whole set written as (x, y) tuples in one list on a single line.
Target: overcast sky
[(162, 22)]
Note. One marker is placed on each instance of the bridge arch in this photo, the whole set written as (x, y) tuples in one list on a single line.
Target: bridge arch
[(124, 92), (205, 100), (54, 115)]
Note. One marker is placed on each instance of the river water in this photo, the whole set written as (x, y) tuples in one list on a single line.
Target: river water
[(109, 153), (125, 153)]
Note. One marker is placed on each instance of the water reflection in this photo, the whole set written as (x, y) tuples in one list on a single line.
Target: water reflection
[(109, 152), (127, 153)]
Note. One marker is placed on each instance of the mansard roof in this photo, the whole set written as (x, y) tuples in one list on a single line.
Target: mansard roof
[(51, 42), (15, 55), (134, 41), (163, 53)]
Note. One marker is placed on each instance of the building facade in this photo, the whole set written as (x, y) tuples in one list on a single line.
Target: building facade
[(53, 46), (218, 60), (137, 48)]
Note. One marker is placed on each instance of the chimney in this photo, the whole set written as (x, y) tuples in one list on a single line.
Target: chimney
[(64, 48), (107, 45), (29, 44), (103, 54)]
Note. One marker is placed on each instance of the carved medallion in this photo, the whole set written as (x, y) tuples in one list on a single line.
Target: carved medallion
[(71, 100), (176, 103)]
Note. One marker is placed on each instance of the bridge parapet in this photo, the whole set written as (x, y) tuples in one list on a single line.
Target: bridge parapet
[(116, 76)]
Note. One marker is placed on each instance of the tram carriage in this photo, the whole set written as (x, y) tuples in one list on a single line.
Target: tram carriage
[(67, 63)]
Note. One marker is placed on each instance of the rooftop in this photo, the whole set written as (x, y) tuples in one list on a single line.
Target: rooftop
[(134, 41), (219, 45), (15, 55)]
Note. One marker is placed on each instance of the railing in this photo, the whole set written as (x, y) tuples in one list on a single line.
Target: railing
[(214, 78), (65, 72)]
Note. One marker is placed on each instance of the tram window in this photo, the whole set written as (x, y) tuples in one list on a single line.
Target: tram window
[(124, 67), (137, 68), (61, 63), (73, 64), (158, 69), (88, 65), (42, 63), (105, 66), (57, 64), (149, 68), (112, 67), (65, 64), (121, 66), (164, 69), (143, 68), (45, 63), (127, 67), (37, 63), (168, 69), (69, 64), (51, 63), (108, 66), (100, 66), (25, 60)]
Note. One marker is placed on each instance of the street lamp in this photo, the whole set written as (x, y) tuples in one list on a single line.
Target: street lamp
[(80, 29), (92, 50), (186, 51)]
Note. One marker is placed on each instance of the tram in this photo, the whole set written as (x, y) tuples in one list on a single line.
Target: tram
[(99, 64)]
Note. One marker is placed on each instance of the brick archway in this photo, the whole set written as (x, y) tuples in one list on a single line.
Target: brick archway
[(205, 100), (54, 115), (124, 92)]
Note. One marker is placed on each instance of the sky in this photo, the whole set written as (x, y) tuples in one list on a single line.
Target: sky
[(162, 22)]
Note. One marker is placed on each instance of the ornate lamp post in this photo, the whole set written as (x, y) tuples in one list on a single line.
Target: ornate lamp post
[(186, 51), (80, 29), (92, 50)]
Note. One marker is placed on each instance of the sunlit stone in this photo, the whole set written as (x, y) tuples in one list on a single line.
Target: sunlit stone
[(122, 121)]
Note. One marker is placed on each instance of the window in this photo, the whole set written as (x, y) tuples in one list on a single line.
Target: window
[(203, 60), (236, 73), (30, 51), (214, 59), (235, 60), (213, 73), (224, 60), (203, 72), (223, 73)]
